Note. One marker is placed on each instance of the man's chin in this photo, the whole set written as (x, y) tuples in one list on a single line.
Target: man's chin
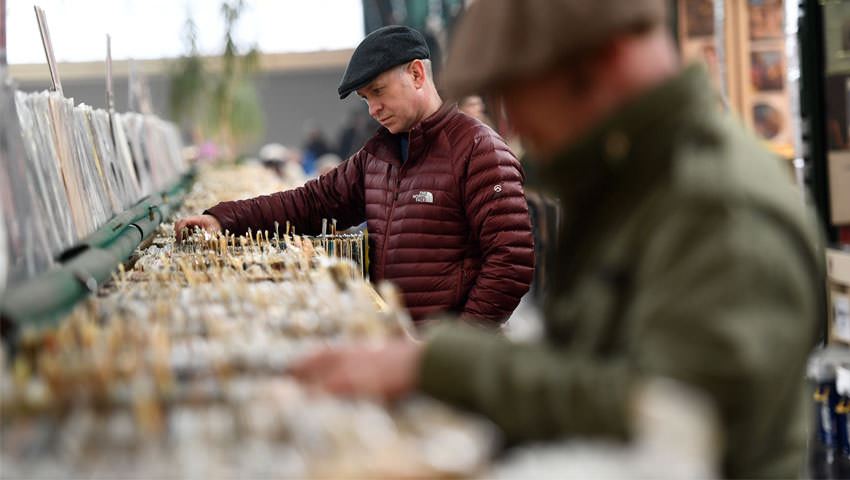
[(394, 126)]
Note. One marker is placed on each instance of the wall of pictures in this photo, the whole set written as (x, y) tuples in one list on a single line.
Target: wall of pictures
[(753, 74)]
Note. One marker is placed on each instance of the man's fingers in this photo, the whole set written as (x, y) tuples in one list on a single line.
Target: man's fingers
[(178, 229), (189, 224), (382, 373), (339, 381), (313, 365), (205, 222), (354, 381), (183, 224)]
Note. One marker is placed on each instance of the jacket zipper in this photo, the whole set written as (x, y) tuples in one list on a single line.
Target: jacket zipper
[(392, 209)]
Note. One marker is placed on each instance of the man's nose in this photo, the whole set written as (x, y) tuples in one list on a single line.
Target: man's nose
[(374, 109)]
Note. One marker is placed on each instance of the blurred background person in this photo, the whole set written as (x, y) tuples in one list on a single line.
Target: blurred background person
[(326, 163), (358, 128), (473, 105), (315, 145), (286, 162)]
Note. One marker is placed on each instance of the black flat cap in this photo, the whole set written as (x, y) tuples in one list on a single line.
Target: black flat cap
[(380, 51)]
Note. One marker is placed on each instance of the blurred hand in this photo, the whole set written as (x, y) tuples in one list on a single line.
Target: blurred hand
[(385, 372), (206, 222)]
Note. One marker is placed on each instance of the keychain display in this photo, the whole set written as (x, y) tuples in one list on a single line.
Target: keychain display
[(177, 367)]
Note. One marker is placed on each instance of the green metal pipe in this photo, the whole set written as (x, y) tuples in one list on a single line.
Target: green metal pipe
[(116, 226), (45, 299)]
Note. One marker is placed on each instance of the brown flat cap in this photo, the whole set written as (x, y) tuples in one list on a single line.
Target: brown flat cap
[(501, 40)]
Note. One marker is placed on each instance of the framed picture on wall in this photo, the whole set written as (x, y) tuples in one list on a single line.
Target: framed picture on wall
[(767, 70), (836, 35), (703, 50), (767, 120), (771, 119), (765, 18), (698, 17)]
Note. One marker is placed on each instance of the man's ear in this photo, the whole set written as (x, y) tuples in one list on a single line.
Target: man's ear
[(417, 72)]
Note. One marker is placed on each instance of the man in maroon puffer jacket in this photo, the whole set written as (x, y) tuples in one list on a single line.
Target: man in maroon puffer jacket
[(441, 192)]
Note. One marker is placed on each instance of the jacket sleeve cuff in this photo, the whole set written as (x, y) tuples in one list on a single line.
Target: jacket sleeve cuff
[(223, 218), (453, 353)]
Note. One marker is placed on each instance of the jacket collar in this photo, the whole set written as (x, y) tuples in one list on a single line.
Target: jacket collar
[(634, 143), (384, 145)]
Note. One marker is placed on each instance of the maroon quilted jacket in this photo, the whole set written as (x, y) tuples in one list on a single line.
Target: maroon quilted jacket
[(450, 226)]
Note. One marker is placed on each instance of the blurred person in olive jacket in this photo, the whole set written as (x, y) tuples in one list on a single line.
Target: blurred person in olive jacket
[(685, 251)]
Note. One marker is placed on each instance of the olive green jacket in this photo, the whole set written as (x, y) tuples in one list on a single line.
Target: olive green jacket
[(686, 253)]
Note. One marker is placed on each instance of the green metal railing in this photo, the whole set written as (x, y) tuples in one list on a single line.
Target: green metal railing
[(45, 299)]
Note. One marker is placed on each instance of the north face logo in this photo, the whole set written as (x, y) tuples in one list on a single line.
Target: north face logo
[(424, 197)]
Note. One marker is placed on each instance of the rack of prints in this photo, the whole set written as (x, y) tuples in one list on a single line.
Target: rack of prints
[(69, 177), (24, 239), (68, 169), (177, 367)]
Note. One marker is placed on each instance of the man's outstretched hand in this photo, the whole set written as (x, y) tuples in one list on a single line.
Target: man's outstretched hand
[(205, 222), (386, 372)]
